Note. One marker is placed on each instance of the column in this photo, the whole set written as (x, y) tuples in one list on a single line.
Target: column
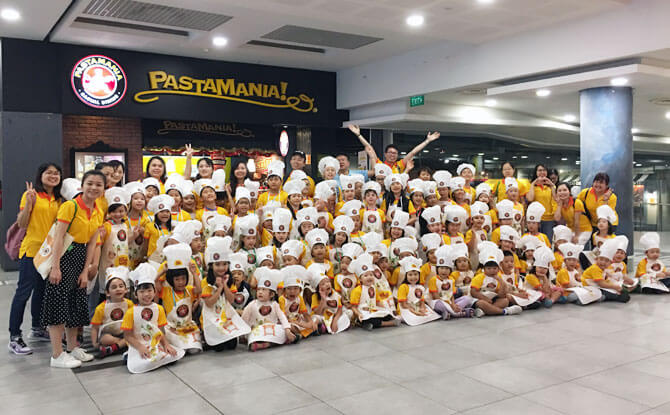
[(606, 144)]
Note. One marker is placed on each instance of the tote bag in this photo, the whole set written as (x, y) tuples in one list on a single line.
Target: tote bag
[(43, 260)]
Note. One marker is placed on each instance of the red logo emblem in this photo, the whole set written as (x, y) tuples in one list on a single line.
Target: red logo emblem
[(418, 292), (216, 256), (293, 307), (147, 314), (121, 235), (281, 228), (371, 292), (116, 314), (98, 81), (265, 310), (347, 283), (182, 310)]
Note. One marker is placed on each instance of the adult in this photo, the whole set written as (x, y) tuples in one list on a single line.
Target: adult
[(543, 190), (553, 176), (240, 173), (37, 212), (597, 195), (118, 172), (298, 161), (570, 212), (391, 152), (205, 168), (345, 165), (499, 190), (156, 169), (65, 306)]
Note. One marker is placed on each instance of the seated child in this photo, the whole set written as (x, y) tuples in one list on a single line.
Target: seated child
[(369, 308), (570, 277), (239, 268), (106, 333), (595, 274), (412, 295), (442, 288), (618, 271), (488, 288), (326, 304), (292, 303), (515, 294), (346, 280), (538, 278), (654, 279)]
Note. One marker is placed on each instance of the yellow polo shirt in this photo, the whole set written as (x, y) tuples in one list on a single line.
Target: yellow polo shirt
[(592, 203), (86, 221), (42, 217), (544, 196)]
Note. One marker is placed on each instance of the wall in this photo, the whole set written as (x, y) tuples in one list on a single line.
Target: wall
[(80, 131)]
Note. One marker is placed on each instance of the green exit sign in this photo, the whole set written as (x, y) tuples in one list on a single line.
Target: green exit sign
[(416, 100)]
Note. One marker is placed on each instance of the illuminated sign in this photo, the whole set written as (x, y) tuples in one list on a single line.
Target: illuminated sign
[(98, 81)]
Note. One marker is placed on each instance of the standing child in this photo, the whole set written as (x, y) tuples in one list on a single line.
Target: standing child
[(327, 310), (467, 172), (488, 288), (344, 226), (443, 179), (174, 187), (506, 213), (533, 218), (106, 333), (570, 277), (607, 217), (371, 216), (316, 242), (458, 196), (430, 242), (412, 295), (238, 283), (274, 182), (369, 308), (246, 235), (346, 280), (654, 279), (538, 278), (138, 220), (595, 274), (455, 217), (159, 233), (476, 234), (397, 231)]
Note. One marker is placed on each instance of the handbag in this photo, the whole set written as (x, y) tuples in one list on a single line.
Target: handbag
[(15, 235), (43, 260)]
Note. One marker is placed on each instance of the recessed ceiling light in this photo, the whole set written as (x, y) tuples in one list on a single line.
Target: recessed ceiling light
[(634, 130), (414, 20), (219, 41), (564, 159), (620, 81), (491, 102), (513, 157), (638, 165), (667, 115), (10, 15), (577, 162), (496, 158), (569, 118), (454, 155), (543, 93), (425, 151), (480, 154), (524, 157), (485, 1), (548, 157)]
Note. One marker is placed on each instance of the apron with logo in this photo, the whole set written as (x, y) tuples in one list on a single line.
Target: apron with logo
[(616, 275), (445, 293), (416, 297), (368, 304), (649, 278), (533, 295), (335, 256), (372, 222), (479, 236), (114, 252), (464, 280), (292, 311), (240, 298), (207, 216), (265, 326), (347, 284), (135, 245), (181, 331), (113, 317), (333, 304), (145, 329), (384, 288), (221, 323), (458, 239), (586, 294)]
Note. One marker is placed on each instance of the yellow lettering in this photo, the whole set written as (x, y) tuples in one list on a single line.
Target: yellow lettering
[(185, 83), (225, 87), (255, 89), (171, 82), (198, 85), (156, 77), (210, 86), (274, 92), (242, 90)]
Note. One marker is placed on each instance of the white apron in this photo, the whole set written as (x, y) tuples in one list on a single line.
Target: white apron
[(649, 279), (157, 256), (347, 283), (368, 304), (372, 222), (464, 280), (384, 288), (111, 322), (616, 275), (241, 298), (292, 312), (135, 248), (533, 295), (181, 331), (221, 323), (479, 236), (145, 328), (207, 216), (266, 327), (335, 256), (414, 299), (333, 304), (445, 293), (114, 253)]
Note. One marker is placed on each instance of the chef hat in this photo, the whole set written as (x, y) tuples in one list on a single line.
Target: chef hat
[(464, 166), (160, 203), (70, 188), (487, 222), (400, 219), (315, 237), (292, 247), (323, 190), (429, 188), (622, 242), (276, 168), (121, 273), (362, 264), (401, 178), (371, 239), (187, 231), (478, 208), (650, 240), (219, 180), (443, 255), (117, 195), (344, 224), (378, 247), (326, 162), (239, 261), (294, 187), (265, 253), (508, 233), (432, 214), (247, 225), (131, 188), (534, 212), (455, 214), (609, 248), (484, 245), (570, 250), (405, 245), (316, 273), (351, 250), (543, 257), (358, 178), (606, 212), (531, 243), (491, 255), (431, 241), (382, 170), (410, 263), (281, 220), (575, 190), (145, 273), (269, 209), (174, 182), (242, 193), (482, 188), (177, 256), (456, 183), (347, 182), (252, 186), (297, 175), (505, 209), (219, 222), (218, 249), (442, 178), (562, 232), (459, 251), (151, 181), (201, 184), (308, 214), (416, 185), (294, 276), (268, 278), (410, 232), (187, 188), (511, 183), (374, 186), (352, 208)]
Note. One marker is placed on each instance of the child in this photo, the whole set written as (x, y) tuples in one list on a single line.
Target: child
[(529, 244), (159, 233), (252, 187), (401, 248), (138, 220), (306, 221), (268, 322), (292, 252), (114, 238), (326, 304), (442, 288), (294, 195), (570, 278), (316, 242), (506, 213), (344, 226), (143, 326), (606, 218), (412, 295), (292, 303), (174, 187), (395, 196), (467, 173), (246, 234), (274, 181), (533, 218), (152, 187), (238, 284), (516, 295), (443, 179), (372, 218), (430, 242), (281, 227), (455, 217), (618, 271), (265, 257), (382, 171), (488, 288), (462, 274), (189, 204), (562, 234), (221, 325), (595, 274), (513, 195), (654, 279), (219, 225), (348, 186), (106, 333), (397, 231), (538, 278), (433, 217), (209, 207), (369, 309), (346, 280), (416, 201), (458, 196), (476, 234), (179, 300)]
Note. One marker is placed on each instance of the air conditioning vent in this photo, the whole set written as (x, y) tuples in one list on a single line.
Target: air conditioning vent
[(131, 26), (285, 46), (663, 101), (474, 91), (327, 38)]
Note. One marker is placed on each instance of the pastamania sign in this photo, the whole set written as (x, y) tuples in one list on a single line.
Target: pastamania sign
[(98, 81), (272, 95)]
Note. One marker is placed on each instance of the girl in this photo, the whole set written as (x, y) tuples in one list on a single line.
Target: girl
[(416, 201), (292, 303), (152, 187), (238, 284), (174, 187), (328, 167), (274, 182), (348, 185), (281, 228), (159, 231), (205, 188), (442, 288), (571, 212), (246, 228), (618, 271), (344, 226), (180, 300), (467, 172), (106, 333), (326, 304), (397, 231), (324, 202), (476, 234), (382, 171), (594, 275), (538, 278), (455, 217), (411, 295), (219, 225), (605, 225), (138, 221), (529, 245), (533, 218), (372, 218), (189, 203), (268, 322), (654, 279), (506, 213), (488, 288), (346, 280), (395, 196), (368, 307), (570, 278), (143, 326), (514, 196), (430, 242), (306, 221), (294, 195), (462, 275), (354, 211), (433, 217), (265, 257), (443, 180), (459, 199), (316, 242)]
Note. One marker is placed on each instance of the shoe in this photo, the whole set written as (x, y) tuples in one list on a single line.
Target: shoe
[(562, 299), (479, 312), (397, 322), (81, 355), (512, 310), (368, 326), (446, 316), (469, 312), (65, 361), (547, 303), (18, 346), (322, 328), (39, 334)]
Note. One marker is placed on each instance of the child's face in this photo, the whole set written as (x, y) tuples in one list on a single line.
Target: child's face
[(507, 264), (238, 277), (506, 245), (180, 282), (619, 256), (163, 216), (477, 221), (541, 271), (412, 277), (188, 202), (344, 263), (431, 256), (291, 292), (602, 262), (319, 251), (220, 268), (571, 263), (138, 201), (443, 272), (653, 253), (435, 227), (453, 228), (274, 183), (281, 236), (367, 279), (417, 199), (506, 221), (533, 226), (208, 195), (196, 245), (267, 263), (267, 224), (349, 195), (306, 227), (396, 187), (289, 260), (118, 214), (529, 254), (483, 197), (397, 233), (424, 175), (431, 200), (150, 192), (602, 225), (444, 193), (491, 270), (459, 195), (243, 206), (383, 263), (513, 194), (264, 294), (221, 233), (467, 175), (145, 295), (176, 196), (340, 238), (370, 198), (375, 256), (249, 241), (462, 264), (295, 199), (117, 289), (324, 285)]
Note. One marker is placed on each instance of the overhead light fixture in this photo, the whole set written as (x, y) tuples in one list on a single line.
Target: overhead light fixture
[(564, 159), (496, 158), (524, 157), (548, 157), (480, 154), (219, 41), (251, 166), (414, 20), (638, 165), (569, 118), (425, 151), (513, 157), (620, 81), (283, 143), (454, 155), (634, 130), (667, 115), (491, 102), (578, 162), (485, 1), (543, 93), (11, 15)]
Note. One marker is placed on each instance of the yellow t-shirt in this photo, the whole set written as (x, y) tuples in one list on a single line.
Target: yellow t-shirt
[(432, 284), (563, 278), (533, 281), (501, 192), (397, 167), (86, 221), (170, 297), (403, 291), (265, 197), (316, 302), (568, 214), (592, 203), (544, 196), (478, 281), (151, 233), (355, 298), (327, 263), (426, 273), (302, 308), (129, 318), (594, 272), (42, 217), (99, 314)]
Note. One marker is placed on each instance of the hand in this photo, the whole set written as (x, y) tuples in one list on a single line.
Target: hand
[(607, 194), (290, 336), (193, 268), (146, 351), (171, 350), (456, 308), (333, 326), (137, 231), (410, 165), (229, 189), (430, 137), (31, 195), (92, 271), (189, 151), (219, 281), (575, 239), (82, 281), (355, 129), (55, 275)]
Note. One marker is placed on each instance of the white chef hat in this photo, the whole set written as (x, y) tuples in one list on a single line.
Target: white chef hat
[(323, 190), (534, 212), (265, 253), (71, 187), (575, 190), (239, 262), (242, 193), (121, 273), (326, 162), (374, 186), (405, 244), (145, 273), (187, 188), (488, 222), (295, 276), (443, 255), (432, 214), (400, 219), (505, 209), (117, 195), (151, 181), (455, 214), (292, 247), (456, 183), (219, 222), (187, 231), (622, 242), (269, 210), (543, 257), (352, 208), (429, 188), (410, 232), (308, 214), (218, 249), (316, 236), (297, 175), (416, 185), (442, 178), (175, 182), (570, 250), (459, 251), (358, 178), (606, 212), (431, 241), (562, 233), (177, 256), (478, 208), (508, 233), (160, 203), (219, 180), (377, 247), (608, 249), (531, 243), (362, 264), (410, 263), (268, 278), (511, 183), (489, 254), (252, 186), (401, 178), (650, 240), (347, 182), (247, 225), (482, 188), (344, 224), (382, 170), (276, 168), (351, 250), (371, 239), (281, 220), (464, 166), (131, 188), (200, 184), (294, 187)]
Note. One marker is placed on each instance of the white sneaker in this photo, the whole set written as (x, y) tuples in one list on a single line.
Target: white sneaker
[(513, 309), (65, 361), (79, 354), (479, 312)]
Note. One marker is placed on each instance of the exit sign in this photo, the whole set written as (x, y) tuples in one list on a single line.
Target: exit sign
[(416, 100)]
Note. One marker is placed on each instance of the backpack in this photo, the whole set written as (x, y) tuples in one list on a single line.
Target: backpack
[(15, 235)]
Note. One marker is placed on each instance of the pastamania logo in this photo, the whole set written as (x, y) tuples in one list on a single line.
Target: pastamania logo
[(98, 81), (265, 95)]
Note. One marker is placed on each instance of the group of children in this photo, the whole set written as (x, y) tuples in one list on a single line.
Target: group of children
[(299, 260)]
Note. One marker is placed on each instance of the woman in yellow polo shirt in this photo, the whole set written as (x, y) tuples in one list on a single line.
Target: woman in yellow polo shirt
[(38, 209), (65, 307), (543, 190), (570, 211), (156, 169), (597, 195)]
